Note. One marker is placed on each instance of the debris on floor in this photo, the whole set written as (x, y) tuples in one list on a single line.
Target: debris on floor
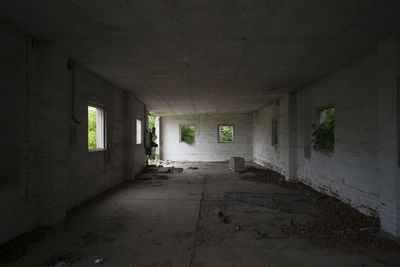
[(157, 172), (100, 260), (340, 225), (175, 170), (222, 217), (336, 224), (193, 168), (284, 202), (263, 176), (151, 166)]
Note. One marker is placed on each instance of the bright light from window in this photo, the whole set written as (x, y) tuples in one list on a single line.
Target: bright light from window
[(138, 132), (96, 132), (225, 133), (187, 134)]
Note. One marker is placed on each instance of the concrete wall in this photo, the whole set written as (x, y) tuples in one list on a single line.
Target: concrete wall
[(46, 166), (19, 194), (274, 156), (351, 172), (136, 160), (362, 170), (206, 146), (95, 172)]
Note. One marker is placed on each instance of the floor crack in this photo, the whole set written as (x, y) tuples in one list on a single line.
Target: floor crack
[(197, 228)]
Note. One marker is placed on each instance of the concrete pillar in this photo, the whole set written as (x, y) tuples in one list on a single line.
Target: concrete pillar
[(130, 135)]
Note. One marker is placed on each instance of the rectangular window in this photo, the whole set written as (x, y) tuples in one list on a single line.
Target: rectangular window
[(274, 132), (225, 133), (96, 128), (187, 134), (324, 130), (138, 132)]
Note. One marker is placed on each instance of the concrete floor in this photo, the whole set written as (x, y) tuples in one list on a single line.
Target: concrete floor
[(174, 222)]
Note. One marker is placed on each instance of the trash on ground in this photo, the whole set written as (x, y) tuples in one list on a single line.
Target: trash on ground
[(96, 261), (222, 217)]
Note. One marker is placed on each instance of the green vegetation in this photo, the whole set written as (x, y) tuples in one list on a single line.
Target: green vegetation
[(152, 123), (225, 133), (187, 134), (92, 128), (324, 132)]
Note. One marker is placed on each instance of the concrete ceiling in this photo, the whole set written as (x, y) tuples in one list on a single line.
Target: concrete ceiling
[(209, 56)]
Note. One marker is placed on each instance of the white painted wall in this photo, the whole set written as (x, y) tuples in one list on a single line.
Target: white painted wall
[(206, 146), (274, 156), (362, 171), (351, 172)]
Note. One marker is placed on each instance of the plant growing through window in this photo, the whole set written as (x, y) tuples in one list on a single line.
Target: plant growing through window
[(225, 133), (187, 134), (324, 130), (96, 133)]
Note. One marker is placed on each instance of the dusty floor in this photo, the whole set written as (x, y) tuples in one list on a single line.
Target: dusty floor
[(173, 221)]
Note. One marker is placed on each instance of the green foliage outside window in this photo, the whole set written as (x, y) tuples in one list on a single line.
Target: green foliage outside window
[(92, 128), (324, 132), (152, 123), (187, 134), (225, 133)]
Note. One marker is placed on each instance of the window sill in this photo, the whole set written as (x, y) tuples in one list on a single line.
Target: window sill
[(97, 150)]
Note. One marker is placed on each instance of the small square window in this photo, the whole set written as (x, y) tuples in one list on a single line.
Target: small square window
[(96, 128), (324, 130), (225, 133), (138, 132), (187, 134)]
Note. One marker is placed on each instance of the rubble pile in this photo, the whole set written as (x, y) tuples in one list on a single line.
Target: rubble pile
[(338, 225), (270, 177)]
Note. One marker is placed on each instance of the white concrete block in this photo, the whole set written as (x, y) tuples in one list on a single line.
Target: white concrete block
[(237, 164)]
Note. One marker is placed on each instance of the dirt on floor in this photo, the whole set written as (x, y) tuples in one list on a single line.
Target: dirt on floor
[(338, 225), (157, 172)]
